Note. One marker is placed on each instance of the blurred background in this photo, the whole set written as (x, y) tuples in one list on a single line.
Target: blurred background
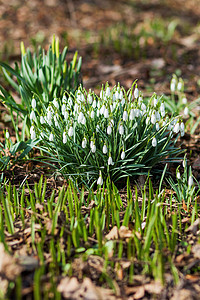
[(119, 40)]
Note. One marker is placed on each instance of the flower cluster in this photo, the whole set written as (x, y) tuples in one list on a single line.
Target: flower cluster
[(116, 133)]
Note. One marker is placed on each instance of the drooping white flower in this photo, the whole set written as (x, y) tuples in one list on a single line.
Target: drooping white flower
[(153, 118), (125, 116), (157, 126), (123, 101), (94, 104), (176, 128), (109, 129), (184, 100), (70, 101), (186, 111), (184, 163), (154, 142), (130, 97), (101, 94), (66, 115), (158, 116), (80, 117), (64, 137), (110, 161), (97, 128), (33, 103), (33, 135), (121, 95), (106, 114), (51, 137), (140, 100), (49, 114), (173, 85), (63, 108), (70, 131), (190, 181), (90, 99), (42, 121), (147, 120), (93, 149), (32, 115), (105, 149), (84, 142), (136, 93), (123, 155), (7, 134), (108, 91), (178, 175), (102, 109), (55, 103), (132, 114), (100, 179), (155, 102), (83, 121), (143, 107), (112, 122), (64, 99), (92, 114), (121, 129), (182, 126), (179, 86), (98, 112), (111, 108), (162, 109)]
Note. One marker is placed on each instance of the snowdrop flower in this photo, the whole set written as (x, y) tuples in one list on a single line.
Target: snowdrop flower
[(97, 128), (162, 109), (123, 155), (70, 131), (98, 105), (130, 97), (153, 118), (33, 135), (155, 102), (32, 115), (55, 103), (184, 163), (63, 108), (93, 148), (76, 108), (33, 103), (190, 181), (111, 108), (140, 100), (147, 120), (154, 142), (64, 99), (49, 114), (184, 100), (121, 95), (64, 137), (42, 121), (176, 128), (123, 102), (125, 116), (173, 85), (105, 149), (157, 126), (84, 143), (121, 129), (90, 99), (100, 179), (92, 114), (83, 121), (108, 91), (106, 114), (94, 104), (101, 94), (110, 161), (109, 129), (98, 112), (179, 86), (178, 175), (182, 129), (143, 107), (66, 115), (80, 117), (136, 93), (186, 111), (51, 137), (102, 110), (132, 114), (116, 95), (157, 116), (7, 135)]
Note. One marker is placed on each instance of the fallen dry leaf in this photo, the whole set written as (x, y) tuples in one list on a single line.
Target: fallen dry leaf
[(194, 227), (124, 232), (8, 264), (113, 234)]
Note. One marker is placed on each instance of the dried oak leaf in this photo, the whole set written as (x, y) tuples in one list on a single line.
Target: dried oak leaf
[(113, 234), (72, 289), (8, 264), (194, 227)]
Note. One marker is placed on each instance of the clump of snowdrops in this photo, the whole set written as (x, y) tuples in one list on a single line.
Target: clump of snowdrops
[(115, 134)]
